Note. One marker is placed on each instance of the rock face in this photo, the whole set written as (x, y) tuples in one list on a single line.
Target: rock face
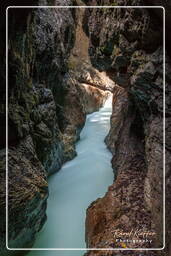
[(46, 112), (37, 60), (127, 45), (58, 73)]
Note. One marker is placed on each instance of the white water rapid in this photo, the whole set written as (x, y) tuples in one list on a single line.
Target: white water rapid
[(78, 183)]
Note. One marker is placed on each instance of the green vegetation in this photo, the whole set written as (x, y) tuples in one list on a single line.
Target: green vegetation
[(104, 10), (72, 64), (113, 4), (116, 51), (107, 48)]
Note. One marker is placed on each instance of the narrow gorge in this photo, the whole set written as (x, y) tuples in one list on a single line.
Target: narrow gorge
[(86, 105)]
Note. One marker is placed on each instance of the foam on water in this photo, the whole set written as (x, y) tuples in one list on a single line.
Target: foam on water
[(79, 182)]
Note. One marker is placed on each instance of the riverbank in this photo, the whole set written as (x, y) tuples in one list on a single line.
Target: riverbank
[(78, 183)]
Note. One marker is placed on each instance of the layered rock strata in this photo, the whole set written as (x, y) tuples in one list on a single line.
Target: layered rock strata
[(50, 70), (47, 107), (127, 45)]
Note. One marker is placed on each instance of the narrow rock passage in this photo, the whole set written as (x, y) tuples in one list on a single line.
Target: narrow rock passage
[(75, 186)]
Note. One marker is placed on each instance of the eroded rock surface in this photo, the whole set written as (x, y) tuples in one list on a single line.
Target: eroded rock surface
[(47, 110), (127, 44), (57, 74)]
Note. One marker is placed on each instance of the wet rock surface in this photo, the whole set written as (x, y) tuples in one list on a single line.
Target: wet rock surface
[(47, 110), (37, 60), (133, 58), (58, 73)]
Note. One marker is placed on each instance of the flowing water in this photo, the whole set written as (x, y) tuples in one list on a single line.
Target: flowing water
[(78, 183)]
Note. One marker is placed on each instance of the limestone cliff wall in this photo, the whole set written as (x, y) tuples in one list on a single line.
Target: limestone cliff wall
[(46, 78), (37, 59), (127, 44), (47, 108)]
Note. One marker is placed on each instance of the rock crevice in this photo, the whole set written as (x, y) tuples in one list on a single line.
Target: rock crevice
[(46, 111), (63, 64), (122, 44)]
